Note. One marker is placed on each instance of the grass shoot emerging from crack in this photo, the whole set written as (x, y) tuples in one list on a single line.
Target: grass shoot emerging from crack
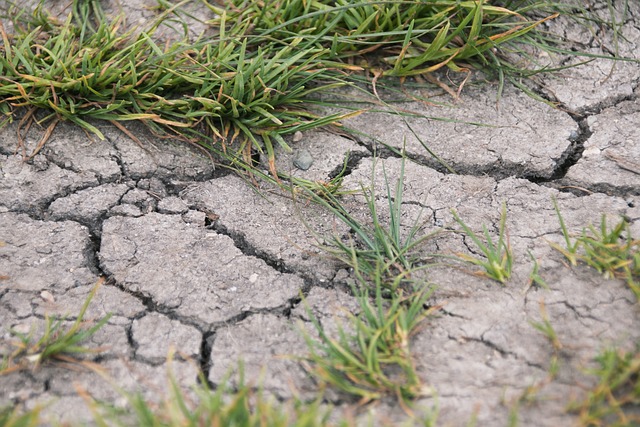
[(56, 343), (499, 257), (372, 358), (375, 359), (616, 398), (376, 252), (612, 252), (202, 406)]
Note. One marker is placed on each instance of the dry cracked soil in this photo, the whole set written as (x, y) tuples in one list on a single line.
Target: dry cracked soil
[(198, 259)]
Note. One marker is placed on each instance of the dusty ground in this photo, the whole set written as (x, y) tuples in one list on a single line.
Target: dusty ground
[(196, 258)]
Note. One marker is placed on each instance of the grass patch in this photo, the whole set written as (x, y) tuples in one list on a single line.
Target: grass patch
[(247, 86), (56, 342), (372, 358), (616, 398), (207, 92), (244, 406), (612, 252), (375, 359), (377, 252), (499, 257), (409, 38)]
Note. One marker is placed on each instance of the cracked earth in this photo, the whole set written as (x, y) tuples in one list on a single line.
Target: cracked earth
[(198, 259)]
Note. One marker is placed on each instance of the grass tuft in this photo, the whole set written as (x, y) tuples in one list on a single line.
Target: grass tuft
[(56, 343), (499, 257), (616, 398), (375, 360), (612, 252), (376, 252)]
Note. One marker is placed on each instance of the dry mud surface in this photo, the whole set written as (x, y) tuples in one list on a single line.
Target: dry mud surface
[(200, 260)]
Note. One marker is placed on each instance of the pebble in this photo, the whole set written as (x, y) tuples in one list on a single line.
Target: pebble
[(303, 159)]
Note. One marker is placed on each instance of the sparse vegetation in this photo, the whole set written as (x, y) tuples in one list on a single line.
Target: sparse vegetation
[(378, 252), (614, 401), (375, 359), (56, 342), (248, 88), (499, 257), (613, 253)]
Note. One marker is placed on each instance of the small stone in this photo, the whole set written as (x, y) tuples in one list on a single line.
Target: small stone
[(47, 296), (303, 160), (297, 136)]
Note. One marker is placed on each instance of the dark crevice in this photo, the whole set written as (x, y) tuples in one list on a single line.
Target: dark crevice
[(206, 347), (91, 254), (571, 155), (493, 346), (132, 343), (352, 162), (241, 243)]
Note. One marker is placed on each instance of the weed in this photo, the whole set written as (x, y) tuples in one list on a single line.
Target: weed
[(376, 252), (616, 398), (531, 393), (409, 38), (375, 360), (547, 329), (570, 251), (55, 342), (243, 406), (613, 253), (499, 257), (534, 276)]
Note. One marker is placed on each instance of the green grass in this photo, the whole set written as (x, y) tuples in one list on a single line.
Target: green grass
[(409, 38), (378, 251), (499, 256), (375, 359), (55, 343), (614, 252), (243, 406), (615, 400), (250, 85)]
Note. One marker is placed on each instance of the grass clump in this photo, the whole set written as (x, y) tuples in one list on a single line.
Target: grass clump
[(244, 406), (246, 85), (499, 257), (375, 359), (371, 358), (56, 342), (377, 252), (204, 92), (13, 417), (408, 37), (616, 398), (612, 252)]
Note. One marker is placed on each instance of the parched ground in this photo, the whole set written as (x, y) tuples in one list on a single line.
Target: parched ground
[(199, 259)]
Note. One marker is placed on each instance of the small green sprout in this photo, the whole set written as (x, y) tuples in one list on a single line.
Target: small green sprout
[(614, 253), (616, 397), (375, 360), (499, 257), (55, 342)]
